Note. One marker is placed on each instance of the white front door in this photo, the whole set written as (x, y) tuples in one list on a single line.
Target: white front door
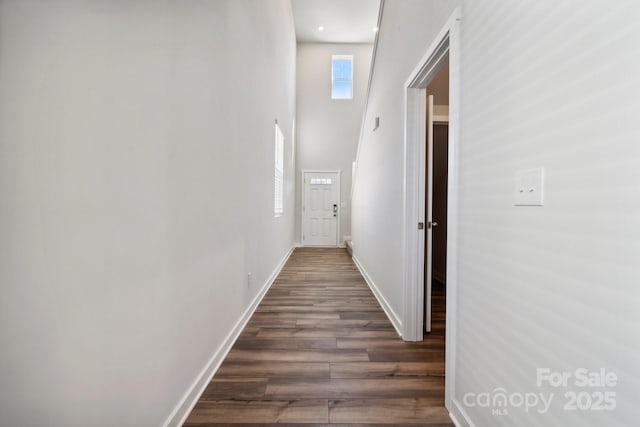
[(320, 209)]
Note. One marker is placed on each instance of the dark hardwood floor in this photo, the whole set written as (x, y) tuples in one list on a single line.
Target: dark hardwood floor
[(319, 350)]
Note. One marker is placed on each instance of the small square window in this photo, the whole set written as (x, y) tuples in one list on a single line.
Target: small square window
[(342, 77)]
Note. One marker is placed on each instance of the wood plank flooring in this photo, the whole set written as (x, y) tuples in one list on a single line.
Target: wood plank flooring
[(320, 351)]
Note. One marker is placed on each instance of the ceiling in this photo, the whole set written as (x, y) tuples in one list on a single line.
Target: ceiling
[(344, 21)]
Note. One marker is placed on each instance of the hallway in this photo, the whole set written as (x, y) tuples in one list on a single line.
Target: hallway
[(319, 349)]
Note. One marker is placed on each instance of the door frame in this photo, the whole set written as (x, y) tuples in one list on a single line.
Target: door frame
[(303, 201), (445, 46)]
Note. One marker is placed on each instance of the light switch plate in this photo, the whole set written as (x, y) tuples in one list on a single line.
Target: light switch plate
[(529, 187)]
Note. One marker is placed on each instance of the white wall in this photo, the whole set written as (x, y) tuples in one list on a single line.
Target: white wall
[(136, 192), (327, 130), (544, 83)]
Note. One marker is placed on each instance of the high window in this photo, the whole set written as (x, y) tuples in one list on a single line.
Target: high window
[(342, 77), (278, 194)]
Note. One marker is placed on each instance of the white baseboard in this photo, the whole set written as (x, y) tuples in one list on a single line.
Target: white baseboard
[(454, 420), (179, 415), (459, 415), (393, 317)]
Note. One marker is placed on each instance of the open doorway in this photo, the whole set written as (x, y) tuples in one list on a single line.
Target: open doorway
[(442, 52), (436, 186)]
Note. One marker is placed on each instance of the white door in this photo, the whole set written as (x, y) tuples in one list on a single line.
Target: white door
[(428, 258), (320, 209)]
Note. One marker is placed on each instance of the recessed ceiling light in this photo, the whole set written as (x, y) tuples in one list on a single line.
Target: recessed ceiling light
[(321, 28), (374, 29)]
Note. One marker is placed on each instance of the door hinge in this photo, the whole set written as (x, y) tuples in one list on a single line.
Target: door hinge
[(303, 237), (421, 226)]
